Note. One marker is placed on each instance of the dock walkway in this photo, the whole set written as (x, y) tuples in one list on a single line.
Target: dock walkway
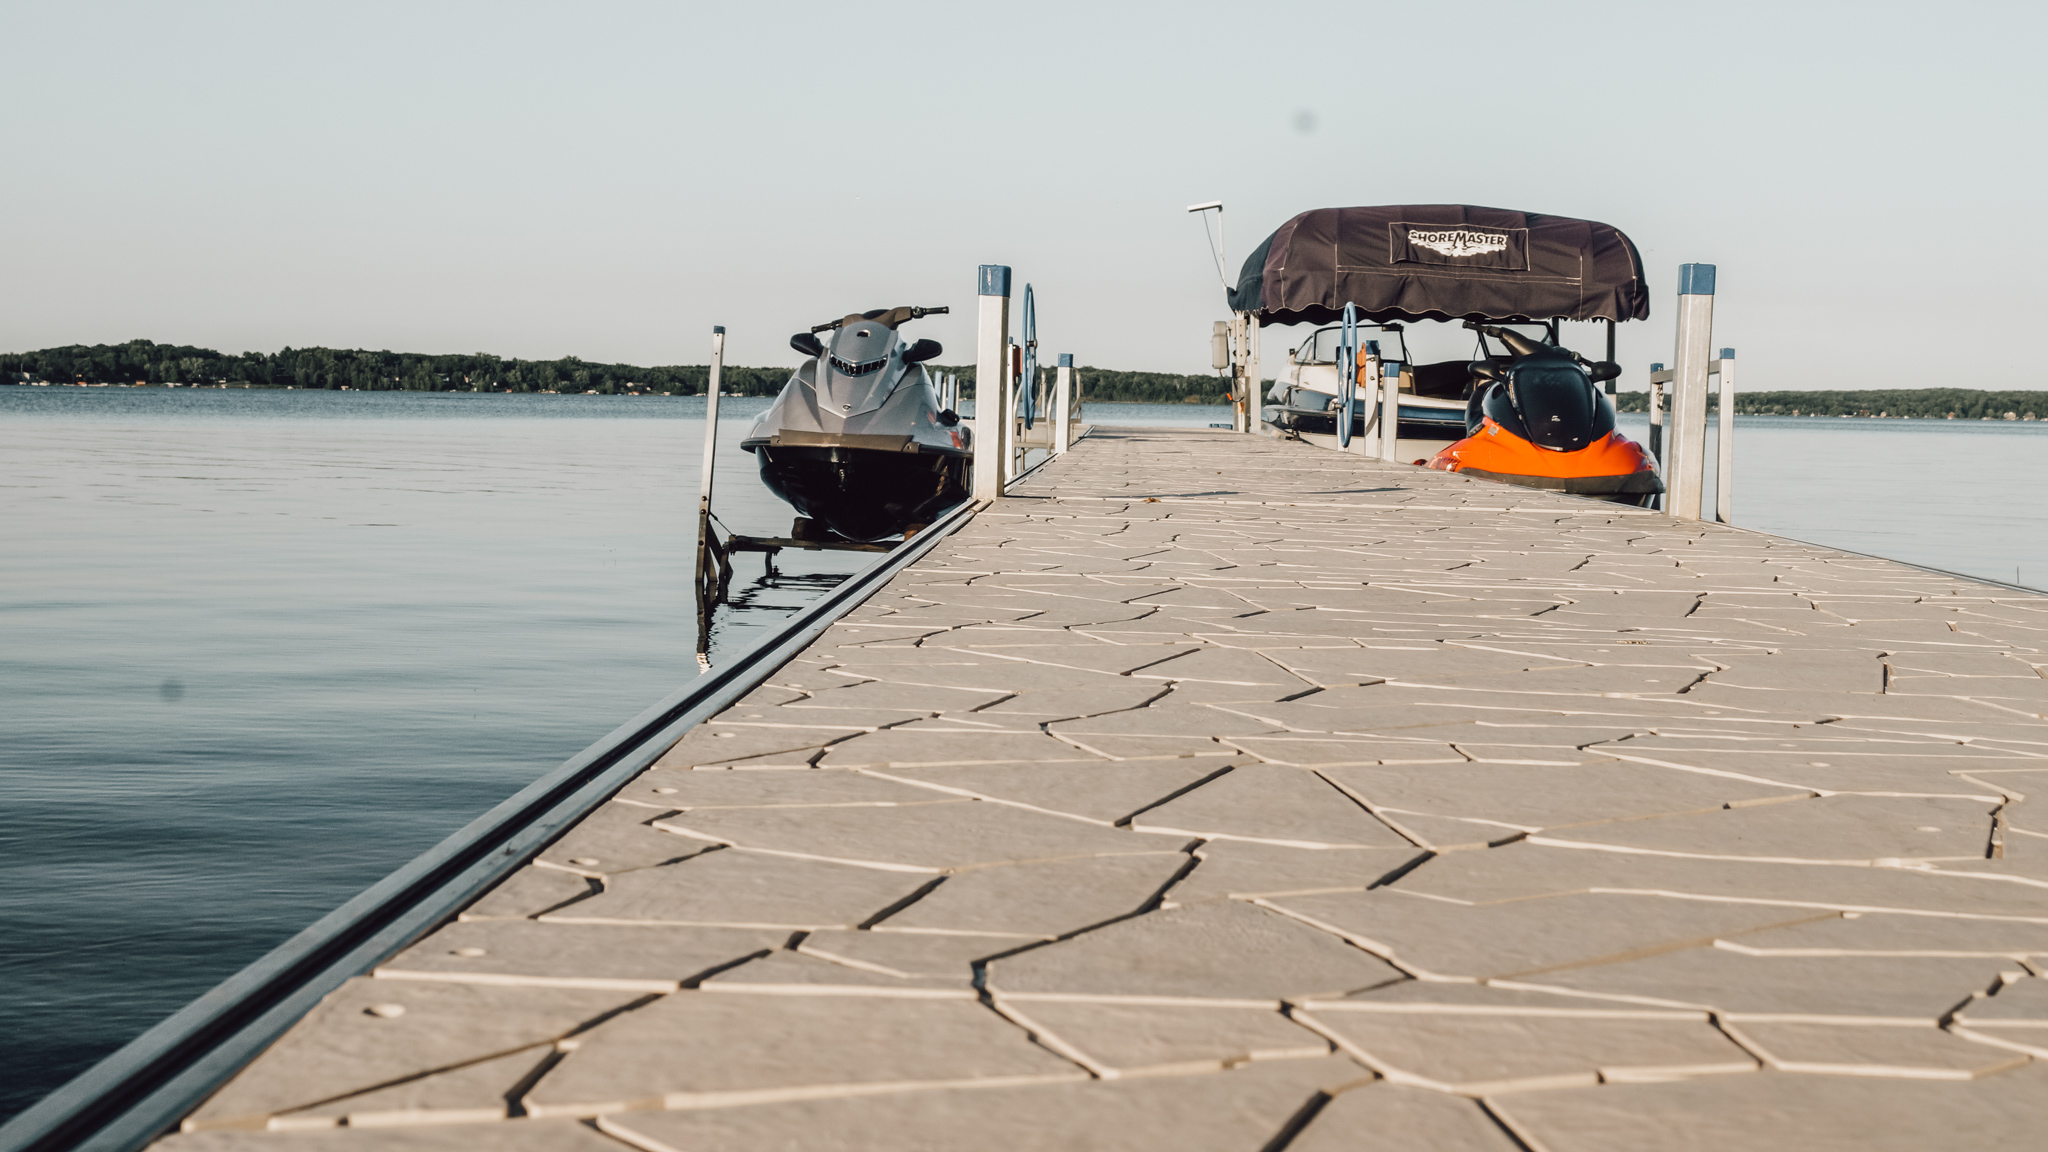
[(1214, 792)]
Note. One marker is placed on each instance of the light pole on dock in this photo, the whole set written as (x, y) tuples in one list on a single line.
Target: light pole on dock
[(1243, 328)]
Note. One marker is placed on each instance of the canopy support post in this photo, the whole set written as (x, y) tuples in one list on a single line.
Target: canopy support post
[(1610, 353), (991, 382)]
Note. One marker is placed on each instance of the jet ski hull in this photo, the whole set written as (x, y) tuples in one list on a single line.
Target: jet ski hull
[(1612, 467), (864, 494)]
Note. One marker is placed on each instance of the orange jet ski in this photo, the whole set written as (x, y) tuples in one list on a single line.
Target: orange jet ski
[(1541, 421)]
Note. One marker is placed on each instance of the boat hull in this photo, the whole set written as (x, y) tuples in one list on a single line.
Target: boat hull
[(864, 494)]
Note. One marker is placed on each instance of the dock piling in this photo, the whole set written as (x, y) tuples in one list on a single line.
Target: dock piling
[(991, 379), (1686, 478), (1063, 404), (1724, 470), (1685, 462)]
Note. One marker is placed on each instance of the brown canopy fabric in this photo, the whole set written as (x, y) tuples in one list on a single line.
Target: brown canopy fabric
[(1441, 262)]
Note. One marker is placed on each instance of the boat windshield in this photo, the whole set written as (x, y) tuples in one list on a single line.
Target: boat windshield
[(1435, 341), (1321, 345)]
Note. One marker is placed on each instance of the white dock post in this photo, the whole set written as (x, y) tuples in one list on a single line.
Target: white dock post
[(1062, 404), (1390, 415), (992, 382), (1688, 433), (1724, 467)]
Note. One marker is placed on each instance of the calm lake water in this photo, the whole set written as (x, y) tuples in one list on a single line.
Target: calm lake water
[(259, 648)]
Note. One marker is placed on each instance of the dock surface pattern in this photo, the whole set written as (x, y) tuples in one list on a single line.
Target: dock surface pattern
[(1220, 793)]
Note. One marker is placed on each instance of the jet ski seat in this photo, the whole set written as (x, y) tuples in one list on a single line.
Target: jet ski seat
[(1447, 380)]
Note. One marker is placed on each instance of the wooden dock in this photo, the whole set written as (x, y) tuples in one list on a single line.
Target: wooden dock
[(1212, 792)]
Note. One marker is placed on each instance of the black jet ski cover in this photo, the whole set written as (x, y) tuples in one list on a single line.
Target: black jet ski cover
[(1441, 262)]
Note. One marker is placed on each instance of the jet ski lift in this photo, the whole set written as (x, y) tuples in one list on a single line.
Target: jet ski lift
[(868, 445), (1396, 266), (1541, 421), (857, 443)]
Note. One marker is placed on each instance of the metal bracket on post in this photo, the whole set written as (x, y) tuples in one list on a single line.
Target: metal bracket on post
[(1347, 375), (991, 381), (1659, 376), (1063, 404), (1686, 478), (1013, 458), (1255, 397), (1240, 356), (1367, 443)]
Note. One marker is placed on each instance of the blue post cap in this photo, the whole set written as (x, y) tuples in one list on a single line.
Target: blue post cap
[(994, 280), (1695, 279), (1066, 359), (1657, 366), (718, 329), (1727, 353)]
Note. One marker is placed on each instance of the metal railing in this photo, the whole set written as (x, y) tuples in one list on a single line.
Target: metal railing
[(139, 1092)]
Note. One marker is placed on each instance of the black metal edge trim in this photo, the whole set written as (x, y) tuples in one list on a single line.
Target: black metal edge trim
[(137, 1092)]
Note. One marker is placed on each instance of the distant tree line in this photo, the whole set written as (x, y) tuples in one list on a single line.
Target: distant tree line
[(1917, 403), (146, 362)]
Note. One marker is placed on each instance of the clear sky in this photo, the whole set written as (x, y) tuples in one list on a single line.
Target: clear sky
[(609, 180)]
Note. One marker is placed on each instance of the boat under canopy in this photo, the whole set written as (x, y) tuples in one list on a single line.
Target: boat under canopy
[(1441, 262)]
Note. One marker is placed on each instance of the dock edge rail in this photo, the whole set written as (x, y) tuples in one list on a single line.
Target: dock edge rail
[(143, 1089)]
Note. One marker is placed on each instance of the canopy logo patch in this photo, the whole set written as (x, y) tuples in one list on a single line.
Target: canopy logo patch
[(1458, 241), (1457, 245)]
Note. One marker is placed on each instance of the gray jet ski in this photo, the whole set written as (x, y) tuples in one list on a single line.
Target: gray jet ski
[(857, 442)]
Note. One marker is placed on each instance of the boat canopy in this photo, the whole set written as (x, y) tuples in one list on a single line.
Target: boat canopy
[(1441, 262)]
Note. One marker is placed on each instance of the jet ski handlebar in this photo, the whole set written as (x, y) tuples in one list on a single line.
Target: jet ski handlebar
[(1517, 343), (891, 317), (1521, 345)]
